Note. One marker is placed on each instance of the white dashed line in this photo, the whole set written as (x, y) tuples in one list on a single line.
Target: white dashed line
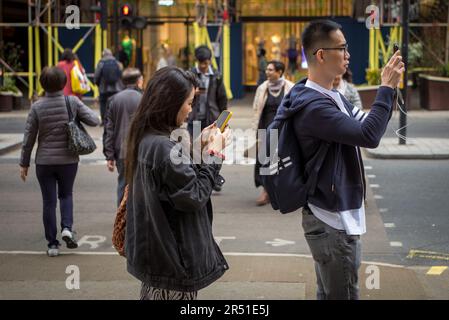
[(376, 196), (368, 168), (383, 210), (371, 176), (389, 225), (374, 186), (396, 244)]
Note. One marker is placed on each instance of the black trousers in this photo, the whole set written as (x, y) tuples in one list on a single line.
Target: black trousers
[(56, 179)]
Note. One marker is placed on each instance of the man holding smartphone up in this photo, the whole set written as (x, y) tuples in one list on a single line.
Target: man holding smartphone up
[(210, 99), (334, 217)]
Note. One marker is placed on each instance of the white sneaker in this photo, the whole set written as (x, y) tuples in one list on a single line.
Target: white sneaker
[(53, 251), (67, 236)]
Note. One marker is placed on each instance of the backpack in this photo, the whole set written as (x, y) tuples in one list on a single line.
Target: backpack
[(286, 178), (110, 72)]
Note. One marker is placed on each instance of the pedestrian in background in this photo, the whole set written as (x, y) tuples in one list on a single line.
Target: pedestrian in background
[(262, 66), (333, 218), (169, 246), (266, 102), (345, 86), (211, 97), (56, 166), (67, 63), (121, 109), (108, 79)]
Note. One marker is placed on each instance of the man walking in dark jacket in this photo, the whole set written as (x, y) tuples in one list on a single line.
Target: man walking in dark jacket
[(108, 79), (211, 98), (334, 217), (118, 118)]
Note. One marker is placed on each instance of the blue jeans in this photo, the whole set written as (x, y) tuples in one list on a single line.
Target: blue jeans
[(337, 258), (62, 177)]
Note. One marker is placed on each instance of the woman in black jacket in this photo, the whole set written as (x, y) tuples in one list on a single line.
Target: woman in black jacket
[(169, 243)]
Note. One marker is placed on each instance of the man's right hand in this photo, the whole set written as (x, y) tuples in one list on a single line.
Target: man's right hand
[(110, 164), (391, 73)]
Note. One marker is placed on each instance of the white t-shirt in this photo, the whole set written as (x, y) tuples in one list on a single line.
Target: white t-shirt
[(352, 221)]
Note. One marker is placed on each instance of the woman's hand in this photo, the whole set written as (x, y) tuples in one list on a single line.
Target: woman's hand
[(218, 140), (207, 135), (23, 173)]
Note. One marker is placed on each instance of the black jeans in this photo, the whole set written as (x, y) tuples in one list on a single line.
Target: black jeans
[(62, 177), (103, 99)]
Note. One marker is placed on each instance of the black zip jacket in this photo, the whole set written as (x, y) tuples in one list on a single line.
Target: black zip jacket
[(317, 118), (169, 242)]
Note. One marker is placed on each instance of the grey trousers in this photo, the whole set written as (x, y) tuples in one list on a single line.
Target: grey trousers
[(337, 259)]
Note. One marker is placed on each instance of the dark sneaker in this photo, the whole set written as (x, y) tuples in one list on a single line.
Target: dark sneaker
[(67, 236), (53, 251)]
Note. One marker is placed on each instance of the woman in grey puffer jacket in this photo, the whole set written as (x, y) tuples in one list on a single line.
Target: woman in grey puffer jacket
[(55, 164)]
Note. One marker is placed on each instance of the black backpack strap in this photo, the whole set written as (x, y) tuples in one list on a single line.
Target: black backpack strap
[(313, 175), (69, 110)]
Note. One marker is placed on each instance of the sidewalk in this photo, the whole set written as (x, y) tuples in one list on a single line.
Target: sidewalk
[(249, 277), (416, 148)]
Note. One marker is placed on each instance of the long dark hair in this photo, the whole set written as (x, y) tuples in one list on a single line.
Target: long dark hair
[(164, 95)]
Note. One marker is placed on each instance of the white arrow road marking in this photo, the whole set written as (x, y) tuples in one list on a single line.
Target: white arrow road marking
[(279, 242), (218, 240)]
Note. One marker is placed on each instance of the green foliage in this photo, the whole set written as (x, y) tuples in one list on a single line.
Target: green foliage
[(415, 55), (444, 70), (298, 75), (373, 76), (11, 53), (9, 85)]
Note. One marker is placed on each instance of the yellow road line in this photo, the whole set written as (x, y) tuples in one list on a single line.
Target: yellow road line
[(428, 255), (436, 271)]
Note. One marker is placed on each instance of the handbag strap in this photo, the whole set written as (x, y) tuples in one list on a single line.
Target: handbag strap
[(69, 110)]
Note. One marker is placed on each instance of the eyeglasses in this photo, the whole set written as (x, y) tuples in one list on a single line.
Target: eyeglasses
[(344, 48)]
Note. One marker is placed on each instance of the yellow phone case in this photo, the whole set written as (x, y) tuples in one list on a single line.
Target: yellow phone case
[(226, 121)]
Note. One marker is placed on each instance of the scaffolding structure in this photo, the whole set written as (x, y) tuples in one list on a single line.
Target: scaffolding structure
[(50, 27)]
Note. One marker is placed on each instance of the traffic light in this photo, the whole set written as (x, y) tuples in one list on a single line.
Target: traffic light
[(126, 13), (128, 20)]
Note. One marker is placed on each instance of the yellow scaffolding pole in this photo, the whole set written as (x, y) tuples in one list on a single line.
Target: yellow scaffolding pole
[(30, 63), (49, 40), (376, 44), (105, 39), (38, 59), (227, 60), (83, 39), (56, 48), (197, 33), (97, 50), (372, 48)]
